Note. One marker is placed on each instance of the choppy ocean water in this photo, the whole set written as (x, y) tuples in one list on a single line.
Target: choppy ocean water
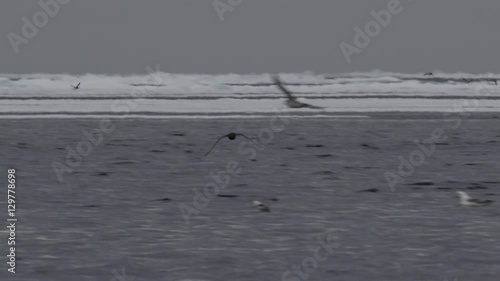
[(116, 215), (117, 209)]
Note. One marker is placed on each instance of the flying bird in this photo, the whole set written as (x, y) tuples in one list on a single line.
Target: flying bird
[(77, 86), (429, 74), (494, 81), (292, 102), (466, 200), (261, 207), (230, 136)]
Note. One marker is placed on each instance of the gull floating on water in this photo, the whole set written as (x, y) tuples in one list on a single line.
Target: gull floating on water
[(77, 86), (261, 207), (230, 136), (292, 102), (466, 200)]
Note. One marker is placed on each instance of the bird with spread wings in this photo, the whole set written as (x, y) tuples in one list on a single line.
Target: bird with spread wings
[(292, 102), (77, 86), (230, 136)]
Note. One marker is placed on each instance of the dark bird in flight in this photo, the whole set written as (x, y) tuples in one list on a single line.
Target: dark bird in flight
[(468, 81), (230, 136), (429, 74), (292, 102), (77, 86), (494, 81)]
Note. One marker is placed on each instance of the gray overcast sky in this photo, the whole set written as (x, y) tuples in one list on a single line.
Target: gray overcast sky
[(187, 36)]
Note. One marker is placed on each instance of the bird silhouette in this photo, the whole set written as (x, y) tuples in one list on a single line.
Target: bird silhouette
[(292, 102), (77, 86), (261, 207), (230, 136), (466, 200), (429, 74)]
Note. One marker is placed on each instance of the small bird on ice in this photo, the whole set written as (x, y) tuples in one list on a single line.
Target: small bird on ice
[(466, 200), (77, 86), (261, 207), (292, 102), (230, 136)]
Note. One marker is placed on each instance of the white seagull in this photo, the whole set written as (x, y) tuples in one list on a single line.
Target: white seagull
[(292, 102), (261, 207), (466, 200), (77, 86)]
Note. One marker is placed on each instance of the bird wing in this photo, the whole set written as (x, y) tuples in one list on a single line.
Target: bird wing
[(479, 201), (215, 144), (315, 107), (78, 85), (278, 83), (240, 134)]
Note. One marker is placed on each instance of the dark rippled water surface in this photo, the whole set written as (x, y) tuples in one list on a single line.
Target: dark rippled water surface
[(117, 212)]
